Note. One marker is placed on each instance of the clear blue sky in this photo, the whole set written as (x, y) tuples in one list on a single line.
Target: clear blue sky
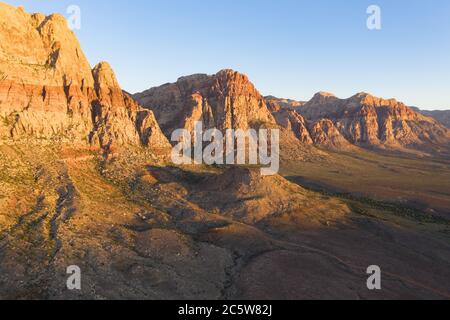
[(288, 48)]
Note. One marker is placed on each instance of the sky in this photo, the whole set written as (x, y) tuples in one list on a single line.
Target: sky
[(288, 48)]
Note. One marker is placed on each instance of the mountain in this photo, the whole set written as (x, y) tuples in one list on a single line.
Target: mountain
[(48, 90), (225, 100), (140, 228), (321, 133), (443, 116), (368, 121), (284, 103), (321, 98), (229, 100)]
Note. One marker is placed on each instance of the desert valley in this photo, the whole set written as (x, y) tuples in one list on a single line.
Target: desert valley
[(86, 179)]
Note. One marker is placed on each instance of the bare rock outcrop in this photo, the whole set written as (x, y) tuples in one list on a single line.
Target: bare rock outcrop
[(324, 133), (284, 103), (368, 121), (227, 100), (49, 92), (118, 118), (294, 123)]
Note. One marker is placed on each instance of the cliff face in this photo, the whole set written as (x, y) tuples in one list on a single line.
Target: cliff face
[(366, 120), (362, 120), (293, 122), (229, 100), (284, 103), (319, 133), (225, 100), (48, 90), (117, 118)]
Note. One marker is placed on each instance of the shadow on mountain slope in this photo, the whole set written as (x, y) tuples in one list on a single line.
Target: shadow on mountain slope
[(149, 231)]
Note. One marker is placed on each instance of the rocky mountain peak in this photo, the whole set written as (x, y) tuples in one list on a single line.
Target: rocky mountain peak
[(324, 94), (321, 98), (193, 78), (370, 121), (275, 104), (49, 91), (104, 76), (368, 99), (232, 83), (225, 100), (39, 49)]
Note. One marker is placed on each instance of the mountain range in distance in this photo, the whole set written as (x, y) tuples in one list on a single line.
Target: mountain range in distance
[(229, 99), (442, 116)]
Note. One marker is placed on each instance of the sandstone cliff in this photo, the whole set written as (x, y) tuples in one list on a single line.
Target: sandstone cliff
[(368, 121), (49, 92), (319, 133), (293, 122), (229, 100), (225, 100), (362, 120)]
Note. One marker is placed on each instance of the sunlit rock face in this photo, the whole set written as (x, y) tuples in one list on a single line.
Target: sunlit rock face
[(368, 121), (227, 100), (48, 90)]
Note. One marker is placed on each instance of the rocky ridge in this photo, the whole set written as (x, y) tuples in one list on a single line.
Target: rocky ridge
[(443, 116), (369, 121), (48, 90), (226, 100), (229, 100), (362, 120)]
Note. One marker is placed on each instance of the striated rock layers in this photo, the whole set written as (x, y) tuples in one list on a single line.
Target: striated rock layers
[(368, 121), (320, 133), (227, 100), (362, 120), (49, 92)]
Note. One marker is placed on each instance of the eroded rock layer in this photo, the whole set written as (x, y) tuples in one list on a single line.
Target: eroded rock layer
[(49, 92), (223, 101), (368, 121)]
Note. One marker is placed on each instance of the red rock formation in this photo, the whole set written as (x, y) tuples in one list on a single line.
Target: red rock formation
[(225, 100), (284, 103), (294, 123), (324, 133), (48, 90), (369, 121)]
